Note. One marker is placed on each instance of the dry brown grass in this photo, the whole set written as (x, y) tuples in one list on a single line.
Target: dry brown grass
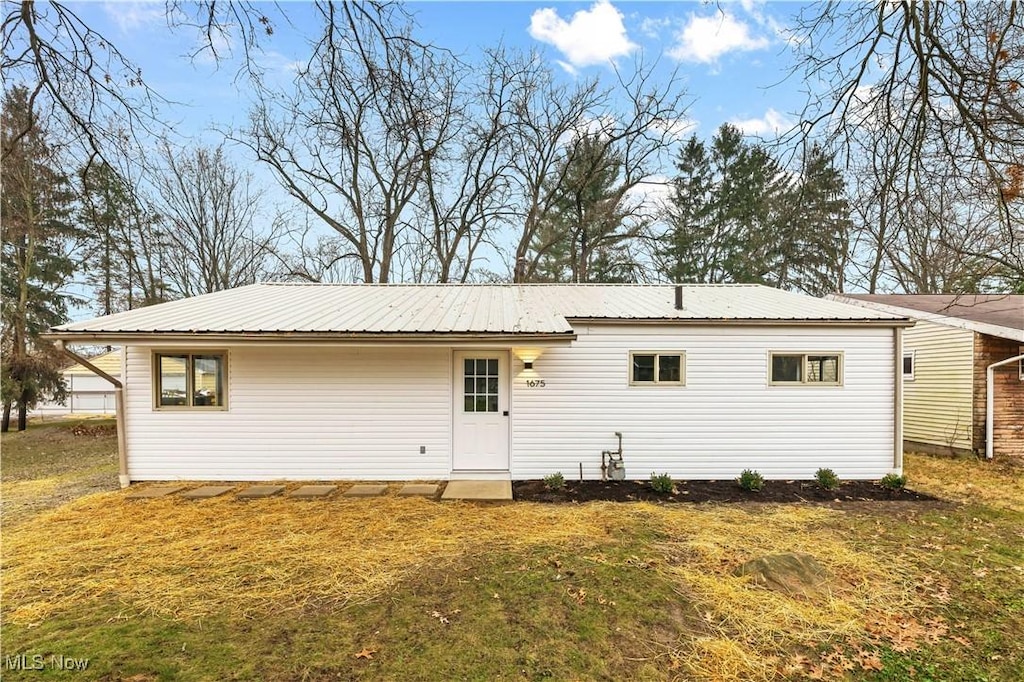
[(967, 479), (189, 560)]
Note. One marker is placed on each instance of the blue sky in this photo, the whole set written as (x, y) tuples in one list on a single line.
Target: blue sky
[(733, 56)]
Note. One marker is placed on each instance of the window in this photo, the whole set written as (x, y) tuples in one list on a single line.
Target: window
[(821, 369), (649, 367), (190, 380), (481, 385), (909, 362)]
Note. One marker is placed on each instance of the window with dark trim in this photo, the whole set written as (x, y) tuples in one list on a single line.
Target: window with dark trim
[(798, 369), (190, 380), (649, 367)]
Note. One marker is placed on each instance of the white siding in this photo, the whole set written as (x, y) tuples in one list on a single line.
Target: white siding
[(725, 419), (300, 413), (937, 404)]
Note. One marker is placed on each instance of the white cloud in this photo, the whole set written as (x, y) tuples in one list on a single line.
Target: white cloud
[(594, 36), (772, 123), (705, 39), (131, 16)]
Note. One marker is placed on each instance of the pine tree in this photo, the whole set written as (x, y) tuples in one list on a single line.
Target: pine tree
[(34, 211), (583, 238)]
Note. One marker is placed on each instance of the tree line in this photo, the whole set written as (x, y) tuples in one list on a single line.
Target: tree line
[(403, 162)]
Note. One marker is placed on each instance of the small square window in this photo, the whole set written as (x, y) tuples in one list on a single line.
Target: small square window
[(656, 368), (787, 368)]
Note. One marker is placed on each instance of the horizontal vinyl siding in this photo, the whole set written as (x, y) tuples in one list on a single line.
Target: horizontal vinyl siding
[(300, 413), (937, 407), (725, 419)]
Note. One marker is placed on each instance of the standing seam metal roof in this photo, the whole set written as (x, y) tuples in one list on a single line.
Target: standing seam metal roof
[(462, 308)]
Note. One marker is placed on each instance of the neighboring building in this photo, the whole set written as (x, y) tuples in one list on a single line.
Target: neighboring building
[(398, 382), (87, 392), (946, 354)]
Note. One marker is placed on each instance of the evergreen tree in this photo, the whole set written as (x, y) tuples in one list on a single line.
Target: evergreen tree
[(105, 205), (736, 215), (821, 225), (34, 211), (584, 237)]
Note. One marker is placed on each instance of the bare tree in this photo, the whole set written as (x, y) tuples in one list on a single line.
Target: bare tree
[(927, 93), (350, 142), (637, 118), (211, 240)]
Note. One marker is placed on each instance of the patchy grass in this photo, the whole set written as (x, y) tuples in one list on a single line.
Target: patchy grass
[(54, 462), (968, 480), (288, 590)]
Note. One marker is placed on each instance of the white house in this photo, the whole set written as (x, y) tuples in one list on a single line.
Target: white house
[(402, 382)]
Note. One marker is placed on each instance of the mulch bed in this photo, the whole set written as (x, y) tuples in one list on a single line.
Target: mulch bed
[(712, 491)]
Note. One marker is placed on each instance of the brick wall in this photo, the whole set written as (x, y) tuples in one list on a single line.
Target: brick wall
[(1008, 434)]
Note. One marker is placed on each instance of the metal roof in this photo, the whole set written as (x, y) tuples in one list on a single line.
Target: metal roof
[(435, 309)]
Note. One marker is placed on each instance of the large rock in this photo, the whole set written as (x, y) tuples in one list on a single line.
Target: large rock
[(792, 573)]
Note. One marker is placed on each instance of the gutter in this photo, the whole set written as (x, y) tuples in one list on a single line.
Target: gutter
[(990, 399), (331, 338), (122, 451)]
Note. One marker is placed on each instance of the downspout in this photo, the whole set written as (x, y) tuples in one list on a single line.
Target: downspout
[(122, 452), (990, 400), (897, 402)]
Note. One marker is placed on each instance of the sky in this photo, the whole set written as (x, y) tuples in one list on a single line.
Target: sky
[(734, 57)]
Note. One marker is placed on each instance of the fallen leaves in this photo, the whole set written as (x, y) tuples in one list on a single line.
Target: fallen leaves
[(367, 653), (443, 618)]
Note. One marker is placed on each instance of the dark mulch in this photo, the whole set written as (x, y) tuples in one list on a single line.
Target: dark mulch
[(712, 491)]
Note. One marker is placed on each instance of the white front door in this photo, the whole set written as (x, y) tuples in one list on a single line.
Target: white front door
[(481, 429)]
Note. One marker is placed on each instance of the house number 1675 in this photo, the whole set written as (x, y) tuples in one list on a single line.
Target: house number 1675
[(535, 383)]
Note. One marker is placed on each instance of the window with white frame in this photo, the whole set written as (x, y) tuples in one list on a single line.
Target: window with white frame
[(657, 368), (798, 369), (909, 364), (190, 380)]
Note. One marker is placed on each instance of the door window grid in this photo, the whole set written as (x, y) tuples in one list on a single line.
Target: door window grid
[(480, 385)]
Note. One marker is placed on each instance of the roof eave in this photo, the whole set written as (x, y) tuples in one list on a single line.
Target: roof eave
[(256, 337), (726, 321)]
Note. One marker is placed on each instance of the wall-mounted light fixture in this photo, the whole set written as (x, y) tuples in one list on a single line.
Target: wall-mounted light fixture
[(528, 364)]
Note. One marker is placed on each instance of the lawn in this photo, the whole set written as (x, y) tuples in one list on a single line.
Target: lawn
[(396, 588)]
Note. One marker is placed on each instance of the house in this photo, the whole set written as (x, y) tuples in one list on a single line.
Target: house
[(401, 382), (946, 360), (87, 392)]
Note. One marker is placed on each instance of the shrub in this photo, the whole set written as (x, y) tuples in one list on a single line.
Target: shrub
[(555, 481), (893, 481), (661, 483), (827, 479), (751, 480)]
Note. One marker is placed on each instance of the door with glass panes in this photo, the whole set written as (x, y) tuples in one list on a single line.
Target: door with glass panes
[(481, 429)]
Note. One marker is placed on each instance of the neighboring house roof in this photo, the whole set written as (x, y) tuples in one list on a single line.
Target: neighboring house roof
[(109, 362), (999, 315), (541, 310)]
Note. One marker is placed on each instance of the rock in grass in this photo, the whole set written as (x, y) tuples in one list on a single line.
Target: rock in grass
[(794, 574)]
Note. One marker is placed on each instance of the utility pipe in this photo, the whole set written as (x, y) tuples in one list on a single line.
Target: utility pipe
[(122, 452), (990, 400)]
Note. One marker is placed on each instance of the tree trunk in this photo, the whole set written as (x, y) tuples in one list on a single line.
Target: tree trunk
[(22, 416), (5, 426)]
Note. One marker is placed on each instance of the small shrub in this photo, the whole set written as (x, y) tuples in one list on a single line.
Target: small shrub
[(661, 483), (555, 481), (827, 479), (751, 480), (893, 481)]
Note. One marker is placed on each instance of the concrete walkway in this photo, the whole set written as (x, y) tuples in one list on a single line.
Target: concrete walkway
[(478, 490)]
